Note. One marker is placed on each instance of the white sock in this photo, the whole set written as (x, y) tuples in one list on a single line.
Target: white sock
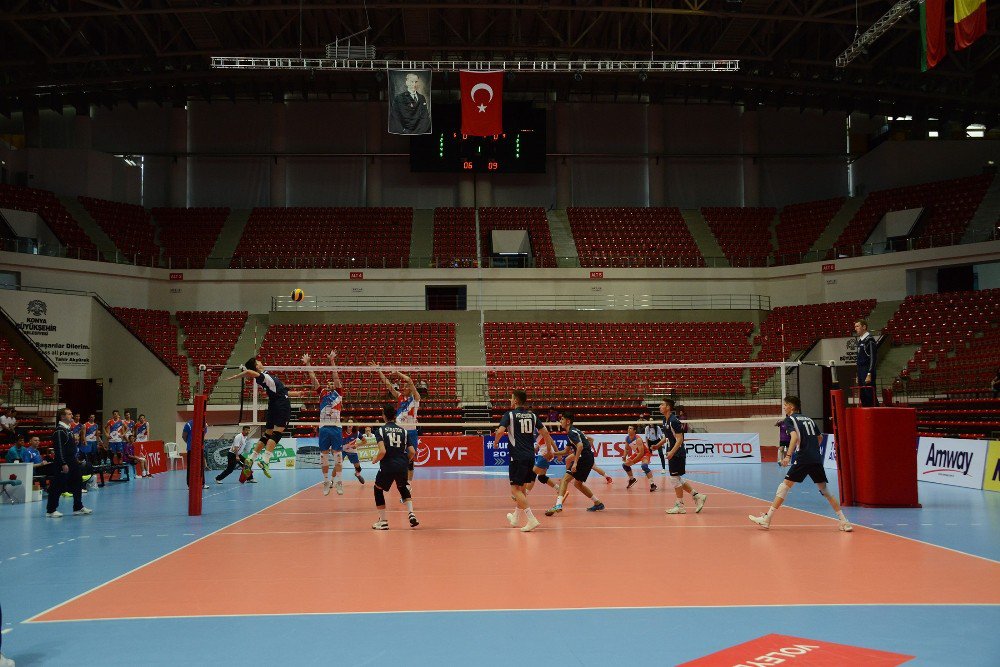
[(840, 515), (409, 506), (336, 477), (517, 514), (253, 456), (326, 476), (381, 515), (770, 511), (560, 500), (267, 457), (527, 513)]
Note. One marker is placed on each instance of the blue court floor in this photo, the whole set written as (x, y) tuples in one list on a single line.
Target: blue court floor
[(44, 563)]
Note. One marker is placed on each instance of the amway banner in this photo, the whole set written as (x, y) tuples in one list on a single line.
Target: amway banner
[(701, 448), (952, 461)]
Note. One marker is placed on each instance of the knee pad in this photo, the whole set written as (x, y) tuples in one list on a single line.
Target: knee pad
[(277, 436), (782, 491), (263, 438), (645, 468), (627, 469), (676, 481), (543, 478), (338, 458), (408, 467), (404, 491), (379, 497)]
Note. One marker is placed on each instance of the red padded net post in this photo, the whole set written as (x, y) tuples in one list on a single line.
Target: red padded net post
[(196, 467)]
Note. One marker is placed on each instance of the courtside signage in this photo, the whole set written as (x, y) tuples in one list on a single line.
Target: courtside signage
[(700, 448), (991, 477), (495, 454), (828, 446), (449, 450), (952, 461), (796, 652)]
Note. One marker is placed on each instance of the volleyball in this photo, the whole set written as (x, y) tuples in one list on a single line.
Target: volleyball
[(297, 295)]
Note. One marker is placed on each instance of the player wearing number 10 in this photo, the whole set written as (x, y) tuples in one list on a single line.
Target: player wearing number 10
[(522, 424), (805, 439)]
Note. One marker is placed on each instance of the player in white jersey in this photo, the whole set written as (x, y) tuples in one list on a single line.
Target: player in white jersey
[(545, 450), (407, 404), (331, 434)]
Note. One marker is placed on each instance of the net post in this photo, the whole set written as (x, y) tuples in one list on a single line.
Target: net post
[(196, 468), (784, 389), (841, 438)]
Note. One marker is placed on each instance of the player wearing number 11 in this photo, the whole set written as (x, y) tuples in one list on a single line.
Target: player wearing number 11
[(805, 439)]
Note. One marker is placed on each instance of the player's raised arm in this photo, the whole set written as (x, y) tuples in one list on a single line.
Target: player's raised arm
[(244, 372), (312, 374), (337, 384), (409, 383), (392, 390)]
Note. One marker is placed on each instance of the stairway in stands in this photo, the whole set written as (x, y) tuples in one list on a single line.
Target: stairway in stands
[(705, 239), (836, 227), (90, 227)]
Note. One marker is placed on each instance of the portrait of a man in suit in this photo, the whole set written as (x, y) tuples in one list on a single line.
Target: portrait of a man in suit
[(409, 102)]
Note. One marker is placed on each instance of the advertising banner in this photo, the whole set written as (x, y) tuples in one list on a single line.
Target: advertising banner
[(495, 454), (828, 446), (991, 476), (59, 324), (701, 448), (449, 450), (156, 457), (952, 461)]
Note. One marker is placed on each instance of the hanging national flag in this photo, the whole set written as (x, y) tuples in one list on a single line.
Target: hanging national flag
[(482, 103), (932, 40), (970, 22)]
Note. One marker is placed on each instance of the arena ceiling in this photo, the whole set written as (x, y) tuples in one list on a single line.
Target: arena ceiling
[(107, 52)]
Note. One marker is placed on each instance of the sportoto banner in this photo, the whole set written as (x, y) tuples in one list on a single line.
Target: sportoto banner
[(701, 448), (952, 461)]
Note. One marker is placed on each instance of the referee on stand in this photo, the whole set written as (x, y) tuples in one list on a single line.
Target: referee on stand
[(867, 358)]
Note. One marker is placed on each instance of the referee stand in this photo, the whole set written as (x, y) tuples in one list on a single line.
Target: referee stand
[(195, 456)]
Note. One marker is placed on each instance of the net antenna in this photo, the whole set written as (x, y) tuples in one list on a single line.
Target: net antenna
[(862, 41), (342, 48)]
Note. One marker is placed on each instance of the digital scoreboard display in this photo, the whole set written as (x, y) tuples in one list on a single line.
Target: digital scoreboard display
[(520, 149)]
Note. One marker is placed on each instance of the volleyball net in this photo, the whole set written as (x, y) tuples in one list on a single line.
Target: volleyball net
[(471, 399)]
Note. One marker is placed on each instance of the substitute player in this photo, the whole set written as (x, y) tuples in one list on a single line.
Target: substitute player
[(673, 429), (394, 452), (578, 466), (522, 424), (115, 431), (279, 411), (142, 429), (331, 435), (636, 451), (804, 439)]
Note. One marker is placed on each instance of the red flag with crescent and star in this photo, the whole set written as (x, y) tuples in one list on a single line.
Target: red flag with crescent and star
[(482, 103)]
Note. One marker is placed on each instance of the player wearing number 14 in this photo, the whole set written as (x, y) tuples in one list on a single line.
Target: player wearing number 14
[(394, 454)]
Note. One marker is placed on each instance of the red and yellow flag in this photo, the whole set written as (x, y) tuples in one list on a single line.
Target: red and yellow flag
[(970, 22)]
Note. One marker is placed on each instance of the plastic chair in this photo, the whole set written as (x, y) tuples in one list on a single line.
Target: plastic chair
[(173, 454)]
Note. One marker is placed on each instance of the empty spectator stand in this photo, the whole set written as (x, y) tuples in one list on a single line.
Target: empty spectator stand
[(800, 225), (128, 226), (455, 237), (188, 235), (744, 234), (48, 207), (19, 383), (209, 338), (640, 237), (949, 206), (325, 237), (530, 218), (154, 329)]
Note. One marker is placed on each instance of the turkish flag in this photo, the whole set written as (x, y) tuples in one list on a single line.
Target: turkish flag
[(482, 103)]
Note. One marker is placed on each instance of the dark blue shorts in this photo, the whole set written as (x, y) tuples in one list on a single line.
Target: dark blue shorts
[(331, 437)]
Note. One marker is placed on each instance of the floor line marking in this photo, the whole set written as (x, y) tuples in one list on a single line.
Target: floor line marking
[(884, 532), (527, 611), (512, 529), (158, 558)]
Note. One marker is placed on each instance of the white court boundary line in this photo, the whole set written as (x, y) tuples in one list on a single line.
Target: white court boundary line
[(158, 558), (513, 610)]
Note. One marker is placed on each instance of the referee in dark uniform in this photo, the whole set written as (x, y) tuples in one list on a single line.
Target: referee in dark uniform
[(68, 473), (867, 358)]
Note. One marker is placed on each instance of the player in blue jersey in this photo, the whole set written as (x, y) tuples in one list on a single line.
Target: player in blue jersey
[(279, 411), (673, 429), (522, 424), (331, 435), (579, 464), (805, 442)]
